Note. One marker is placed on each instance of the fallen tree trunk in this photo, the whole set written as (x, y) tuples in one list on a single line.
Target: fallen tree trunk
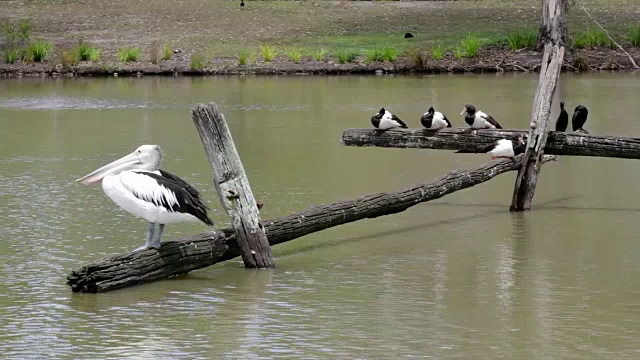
[(558, 143), (199, 251)]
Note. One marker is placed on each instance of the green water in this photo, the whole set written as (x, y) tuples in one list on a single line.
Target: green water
[(460, 277)]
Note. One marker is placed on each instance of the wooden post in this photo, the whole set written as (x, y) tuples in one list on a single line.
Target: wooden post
[(232, 186), (552, 27), (527, 177)]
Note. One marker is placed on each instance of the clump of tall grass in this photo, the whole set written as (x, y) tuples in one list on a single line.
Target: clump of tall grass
[(591, 37), (166, 52), (69, 58), (11, 55), (438, 52), (38, 50), (634, 35), (14, 37), (319, 54), (522, 40), (345, 56), (128, 54), (243, 56), (389, 54), (268, 52), (459, 52), (470, 45), (198, 60), (417, 59), (375, 54), (87, 52), (294, 54)]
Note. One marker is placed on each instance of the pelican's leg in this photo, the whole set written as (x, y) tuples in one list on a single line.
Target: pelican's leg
[(156, 243), (152, 228)]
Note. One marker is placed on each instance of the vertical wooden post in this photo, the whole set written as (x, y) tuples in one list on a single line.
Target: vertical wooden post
[(552, 26), (232, 186), (540, 125)]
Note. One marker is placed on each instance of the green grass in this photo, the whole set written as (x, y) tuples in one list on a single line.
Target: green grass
[(438, 52), (87, 52), (522, 39), (167, 52), (459, 53), (591, 37), (319, 55), (11, 56), (268, 52), (69, 58), (389, 54), (15, 35), (345, 56), (38, 50), (470, 44), (294, 54), (128, 54), (375, 54), (634, 35), (93, 54), (198, 60), (243, 56)]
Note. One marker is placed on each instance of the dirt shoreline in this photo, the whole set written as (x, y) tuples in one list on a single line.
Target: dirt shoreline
[(489, 60)]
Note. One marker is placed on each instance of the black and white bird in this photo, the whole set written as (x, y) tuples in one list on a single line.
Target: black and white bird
[(563, 119), (579, 118), (136, 184), (434, 120), (478, 119), (503, 148), (385, 120)]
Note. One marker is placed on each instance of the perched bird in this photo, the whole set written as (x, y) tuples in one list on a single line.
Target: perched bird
[(503, 148), (479, 120), (434, 120), (385, 120), (136, 184), (563, 119), (579, 118), (408, 35)]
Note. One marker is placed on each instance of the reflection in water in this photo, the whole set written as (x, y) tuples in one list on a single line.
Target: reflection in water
[(457, 277)]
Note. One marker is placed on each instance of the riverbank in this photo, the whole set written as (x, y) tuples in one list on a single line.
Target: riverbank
[(489, 59), (219, 33)]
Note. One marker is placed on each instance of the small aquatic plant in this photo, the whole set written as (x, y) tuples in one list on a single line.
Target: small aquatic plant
[(470, 44), (459, 53), (375, 54), (86, 51), (38, 50), (243, 56), (268, 52), (389, 54), (345, 56), (591, 37), (438, 52), (198, 61), (166, 52), (417, 58), (11, 56), (522, 39), (68, 58), (128, 54), (634, 35)]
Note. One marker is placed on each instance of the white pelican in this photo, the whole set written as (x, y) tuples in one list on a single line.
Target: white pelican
[(136, 183)]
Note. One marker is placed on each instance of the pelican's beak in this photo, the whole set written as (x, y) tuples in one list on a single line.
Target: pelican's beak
[(463, 111), (117, 166)]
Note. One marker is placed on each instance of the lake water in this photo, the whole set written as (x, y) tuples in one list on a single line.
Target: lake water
[(460, 277)]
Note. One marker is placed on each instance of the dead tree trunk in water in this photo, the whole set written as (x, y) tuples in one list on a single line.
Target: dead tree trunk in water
[(552, 27), (540, 125), (232, 186), (199, 251)]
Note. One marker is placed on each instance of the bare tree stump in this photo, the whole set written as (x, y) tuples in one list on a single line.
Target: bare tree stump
[(540, 125), (232, 186)]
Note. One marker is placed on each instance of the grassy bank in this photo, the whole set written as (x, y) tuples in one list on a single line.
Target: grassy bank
[(201, 32)]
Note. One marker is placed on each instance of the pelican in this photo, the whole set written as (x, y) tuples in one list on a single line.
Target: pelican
[(136, 184)]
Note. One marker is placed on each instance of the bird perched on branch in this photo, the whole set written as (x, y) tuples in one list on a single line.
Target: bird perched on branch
[(579, 118), (563, 119), (478, 119), (385, 120), (503, 148), (434, 120)]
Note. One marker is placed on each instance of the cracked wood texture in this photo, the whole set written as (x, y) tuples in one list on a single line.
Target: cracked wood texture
[(552, 26), (558, 143), (232, 186), (202, 250), (527, 178)]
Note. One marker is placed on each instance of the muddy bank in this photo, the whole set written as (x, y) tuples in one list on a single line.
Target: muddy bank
[(492, 59)]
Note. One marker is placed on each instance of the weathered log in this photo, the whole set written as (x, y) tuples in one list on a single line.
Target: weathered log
[(552, 26), (527, 178), (558, 143), (199, 251), (232, 186)]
